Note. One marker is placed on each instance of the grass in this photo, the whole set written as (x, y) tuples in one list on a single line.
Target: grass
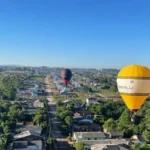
[(108, 93), (38, 78)]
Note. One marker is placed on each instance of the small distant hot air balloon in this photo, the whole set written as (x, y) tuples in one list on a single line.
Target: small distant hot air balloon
[(66, 76), (133, 84)]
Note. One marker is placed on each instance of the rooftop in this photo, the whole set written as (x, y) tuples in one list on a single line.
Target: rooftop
[(90, 134), (26, 134), (34, 145)]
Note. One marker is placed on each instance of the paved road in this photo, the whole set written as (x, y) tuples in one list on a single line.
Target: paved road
[(62, 143)]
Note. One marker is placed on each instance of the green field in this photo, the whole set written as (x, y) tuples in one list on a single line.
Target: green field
[(108, 93), (38, 78)]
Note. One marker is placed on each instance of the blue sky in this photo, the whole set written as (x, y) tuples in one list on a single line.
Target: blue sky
[(75, 33)]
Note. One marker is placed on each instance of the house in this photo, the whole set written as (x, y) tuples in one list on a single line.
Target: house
[(28, 108), (116, 147), (35, 90), (28, 140), (85, 113), (25, 145), (33, 128), (16, 73), (78, 105), (86, 136), (38, 104), (28, 135), (92, 127), (92, 100), (119, 144), (115, 135), (83, 116)]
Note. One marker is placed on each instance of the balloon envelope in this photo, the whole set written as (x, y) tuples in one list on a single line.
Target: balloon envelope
[(66, 76), (133, 84)]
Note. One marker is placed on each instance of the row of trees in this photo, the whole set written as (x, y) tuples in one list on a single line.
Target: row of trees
[(41, 115), (109, 83), (9, 116), (65, 114), (9, 86), (115, 116)]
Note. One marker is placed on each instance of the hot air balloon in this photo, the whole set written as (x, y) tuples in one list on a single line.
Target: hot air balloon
[(66, 76), (133, 84)]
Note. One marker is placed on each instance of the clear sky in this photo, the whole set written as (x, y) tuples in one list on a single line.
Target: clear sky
[(75, 33)]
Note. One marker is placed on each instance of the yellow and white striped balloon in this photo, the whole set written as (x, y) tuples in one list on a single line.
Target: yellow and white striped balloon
[(133, 84)]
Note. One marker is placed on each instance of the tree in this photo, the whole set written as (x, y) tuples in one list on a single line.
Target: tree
[(68, 120), (146, 134), (110, 125), (9, 86), (3, 141), (135, 147), (124, 120), (97, 109), (37, 119), (44, 124), (79, 146), (6, 129), (143, 146), (52, 142)]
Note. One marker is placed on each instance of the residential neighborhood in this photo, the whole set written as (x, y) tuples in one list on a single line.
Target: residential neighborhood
[(75, 75), (79, 116)]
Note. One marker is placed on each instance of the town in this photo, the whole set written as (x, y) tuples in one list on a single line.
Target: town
[(38, 112)]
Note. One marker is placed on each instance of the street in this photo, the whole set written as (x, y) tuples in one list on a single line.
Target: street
[(62, 142)]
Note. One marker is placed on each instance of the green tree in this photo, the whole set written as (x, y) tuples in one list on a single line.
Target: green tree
[(68, 120), (6, 129), (146, 134), (38, 119), (135, 147), (124, 120), (52, 142), (79, 146), (97, 109), (110, 125), (3, 141), (144, 146), (44, 124)]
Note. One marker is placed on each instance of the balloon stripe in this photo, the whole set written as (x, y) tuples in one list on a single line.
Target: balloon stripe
[(143, 78), (135, 94)]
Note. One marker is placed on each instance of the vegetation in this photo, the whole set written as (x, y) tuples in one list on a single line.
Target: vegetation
[(39, 78), (58, 97), (79, 146), (115, 116), (9, 86), (65, 114), (109, 83), (51, 143), (41, 117), (9, 115), (143, 146)]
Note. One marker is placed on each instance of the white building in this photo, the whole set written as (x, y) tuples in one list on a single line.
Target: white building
[(91, 100)]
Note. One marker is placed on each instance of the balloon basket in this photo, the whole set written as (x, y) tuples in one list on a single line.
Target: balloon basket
[(133, 119), (133, 115)]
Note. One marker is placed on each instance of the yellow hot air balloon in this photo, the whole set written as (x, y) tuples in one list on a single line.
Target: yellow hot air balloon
[(133, 84)]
